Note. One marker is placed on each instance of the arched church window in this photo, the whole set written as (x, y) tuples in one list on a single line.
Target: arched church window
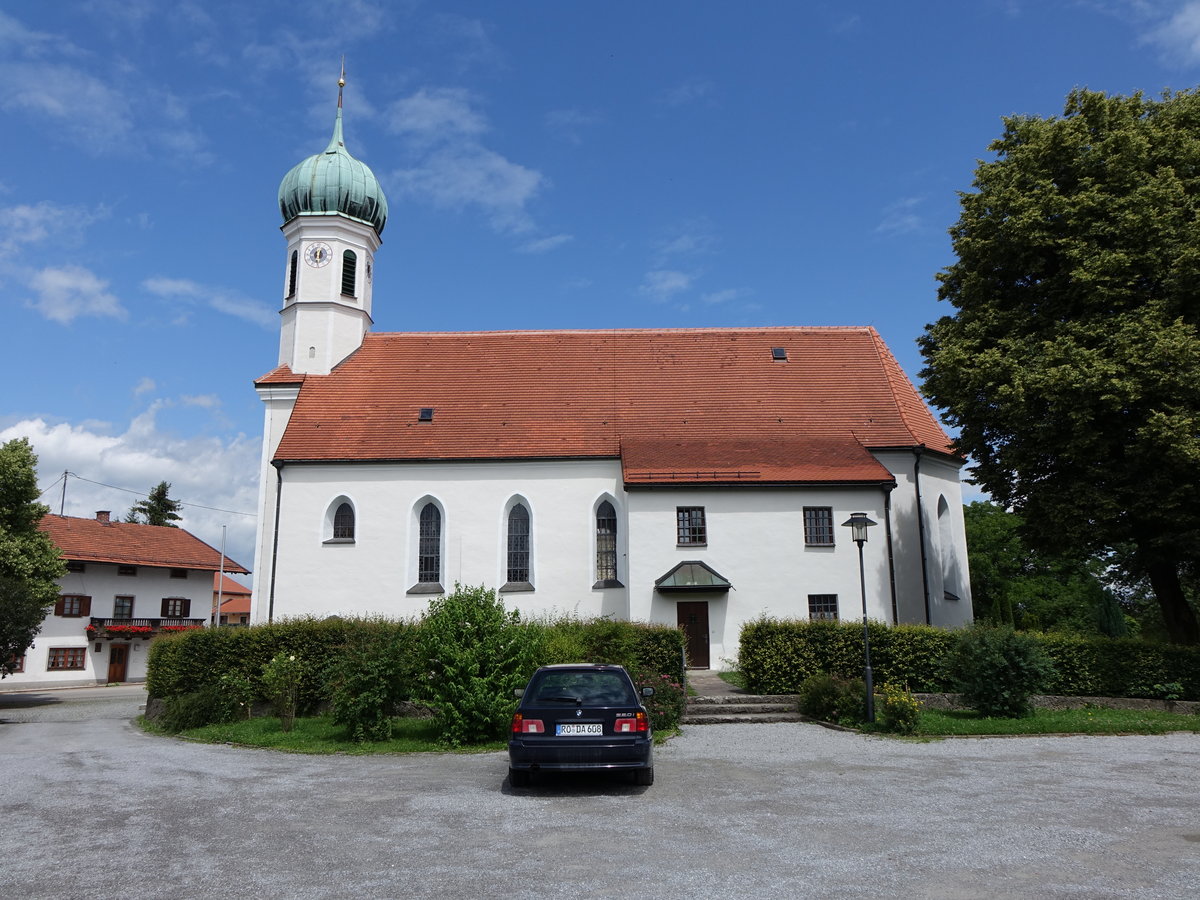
[(292, 275), (349, 273), (343, 522), (429, 551), (518, 547), (606, 546)]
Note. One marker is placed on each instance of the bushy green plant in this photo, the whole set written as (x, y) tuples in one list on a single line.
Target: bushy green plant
[(997, 670), (281, 679), (475, 654), (208, 706), (368, 680), (240, 691), (898, 711), (819, 695), (668, 702), (851, 709)]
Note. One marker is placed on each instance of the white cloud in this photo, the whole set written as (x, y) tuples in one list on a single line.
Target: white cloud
[(1179, 36), (716, 298), (144, 387), (28, 43), (473, 176), (436, 114), (67, 292), (692, 238), (80, 105), (221, 299), (546, 244), (689, 91), (221, 473), (567, 124), (900, 217), (663, 284), (27, 225)]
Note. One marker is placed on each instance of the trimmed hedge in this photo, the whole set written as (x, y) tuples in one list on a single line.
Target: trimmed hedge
[(192, 661), (776, 656)]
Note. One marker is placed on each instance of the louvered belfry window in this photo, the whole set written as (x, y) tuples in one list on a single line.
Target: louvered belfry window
[(292, 275), (429, 553), (518, 544), (349, 273)]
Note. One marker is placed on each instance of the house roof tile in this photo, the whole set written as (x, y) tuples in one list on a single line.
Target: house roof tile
[(127, 543), (715, 396)]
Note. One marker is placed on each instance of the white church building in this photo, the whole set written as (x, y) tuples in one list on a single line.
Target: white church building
[(698, 477)]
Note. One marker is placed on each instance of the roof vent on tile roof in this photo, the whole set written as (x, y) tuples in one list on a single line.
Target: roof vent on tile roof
[(426, 414), (102, 516), (779, 353)]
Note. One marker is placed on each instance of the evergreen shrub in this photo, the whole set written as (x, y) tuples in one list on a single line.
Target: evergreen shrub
[(211, 705), (997, 670)]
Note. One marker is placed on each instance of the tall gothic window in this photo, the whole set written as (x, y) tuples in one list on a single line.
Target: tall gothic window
[(606, 545), (518, 545), (429, 552), (349, 273)]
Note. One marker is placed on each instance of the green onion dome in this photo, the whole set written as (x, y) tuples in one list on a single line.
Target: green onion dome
[(333, 182)]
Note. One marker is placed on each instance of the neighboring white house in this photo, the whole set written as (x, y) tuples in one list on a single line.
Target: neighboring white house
[(697, 477), (125, 584)]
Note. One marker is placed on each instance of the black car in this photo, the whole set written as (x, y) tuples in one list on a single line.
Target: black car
[(581, 717)]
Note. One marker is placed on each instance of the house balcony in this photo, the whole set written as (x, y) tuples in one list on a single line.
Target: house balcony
[(124, 629)]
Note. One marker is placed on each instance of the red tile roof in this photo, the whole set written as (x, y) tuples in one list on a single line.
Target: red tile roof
[(280, 375), (90, 540), (229, 587), (699, 405)]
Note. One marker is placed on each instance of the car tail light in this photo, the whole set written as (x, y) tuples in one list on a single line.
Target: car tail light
[(522, 725), (628, 726)]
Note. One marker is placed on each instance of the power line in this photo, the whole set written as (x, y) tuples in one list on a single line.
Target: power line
[(232, 512)]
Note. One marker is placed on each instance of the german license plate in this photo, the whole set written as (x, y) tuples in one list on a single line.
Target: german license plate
[(575, 729)]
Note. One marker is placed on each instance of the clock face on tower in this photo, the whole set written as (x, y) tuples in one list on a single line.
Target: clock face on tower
[(318, 254)]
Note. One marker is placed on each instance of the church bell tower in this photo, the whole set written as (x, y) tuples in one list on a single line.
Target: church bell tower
[(334, 212)]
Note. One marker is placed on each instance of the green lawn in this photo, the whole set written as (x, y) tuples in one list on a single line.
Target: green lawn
[(320, 735), (1090, 720)]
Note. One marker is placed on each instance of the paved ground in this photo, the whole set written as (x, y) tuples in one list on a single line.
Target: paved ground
[(94, 808)]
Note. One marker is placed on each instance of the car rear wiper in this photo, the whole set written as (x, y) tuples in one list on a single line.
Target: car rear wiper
[(576, 700)]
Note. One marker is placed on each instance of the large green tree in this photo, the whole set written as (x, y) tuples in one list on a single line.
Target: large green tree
[(1071, 366), (30, 564), (157, 509)]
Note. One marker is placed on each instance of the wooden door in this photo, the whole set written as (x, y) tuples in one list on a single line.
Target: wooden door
[(118, 659), (693, 619)]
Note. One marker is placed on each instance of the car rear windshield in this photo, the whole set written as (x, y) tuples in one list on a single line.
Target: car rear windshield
[(584, 688)]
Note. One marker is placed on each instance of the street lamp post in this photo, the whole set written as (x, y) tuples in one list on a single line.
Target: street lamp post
[(858, 523)]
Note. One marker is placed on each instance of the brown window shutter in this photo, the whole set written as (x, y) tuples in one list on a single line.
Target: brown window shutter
[(163, 611), (187, 608), (58, 607), (85, 606)]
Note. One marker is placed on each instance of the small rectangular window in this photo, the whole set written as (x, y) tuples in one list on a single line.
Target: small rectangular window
[(74, 565), (690, 526), (67, 658), (123, 608), (17, 666), (823, 607), (175, 607), (126, 570), (72, 606), (818, 525), (179, 573), (779, 353)]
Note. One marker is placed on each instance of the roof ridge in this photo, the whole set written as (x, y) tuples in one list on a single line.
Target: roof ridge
[(726, 329)]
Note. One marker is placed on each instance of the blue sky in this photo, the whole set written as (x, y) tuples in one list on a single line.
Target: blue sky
[(547, 164)]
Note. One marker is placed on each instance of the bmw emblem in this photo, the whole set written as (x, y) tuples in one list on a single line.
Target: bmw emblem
[(578, 713)]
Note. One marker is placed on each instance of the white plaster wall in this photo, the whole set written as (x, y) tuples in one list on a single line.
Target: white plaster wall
[(101, 582), (939, 478), (372, 575), (756, 541)]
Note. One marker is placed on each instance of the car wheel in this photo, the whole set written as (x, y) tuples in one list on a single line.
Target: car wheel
[(519, 777), (644, 776)]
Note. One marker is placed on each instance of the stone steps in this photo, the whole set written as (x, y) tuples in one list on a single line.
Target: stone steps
[(741, 708)]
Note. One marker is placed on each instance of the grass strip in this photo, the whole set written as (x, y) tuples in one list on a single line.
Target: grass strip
[(1088, 720)]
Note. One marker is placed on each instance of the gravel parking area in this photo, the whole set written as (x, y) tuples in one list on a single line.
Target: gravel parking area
[(98, 809)]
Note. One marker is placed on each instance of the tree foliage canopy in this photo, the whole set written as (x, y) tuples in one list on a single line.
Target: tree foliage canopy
[(157, 509), (1072, 363), (30, 564)]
